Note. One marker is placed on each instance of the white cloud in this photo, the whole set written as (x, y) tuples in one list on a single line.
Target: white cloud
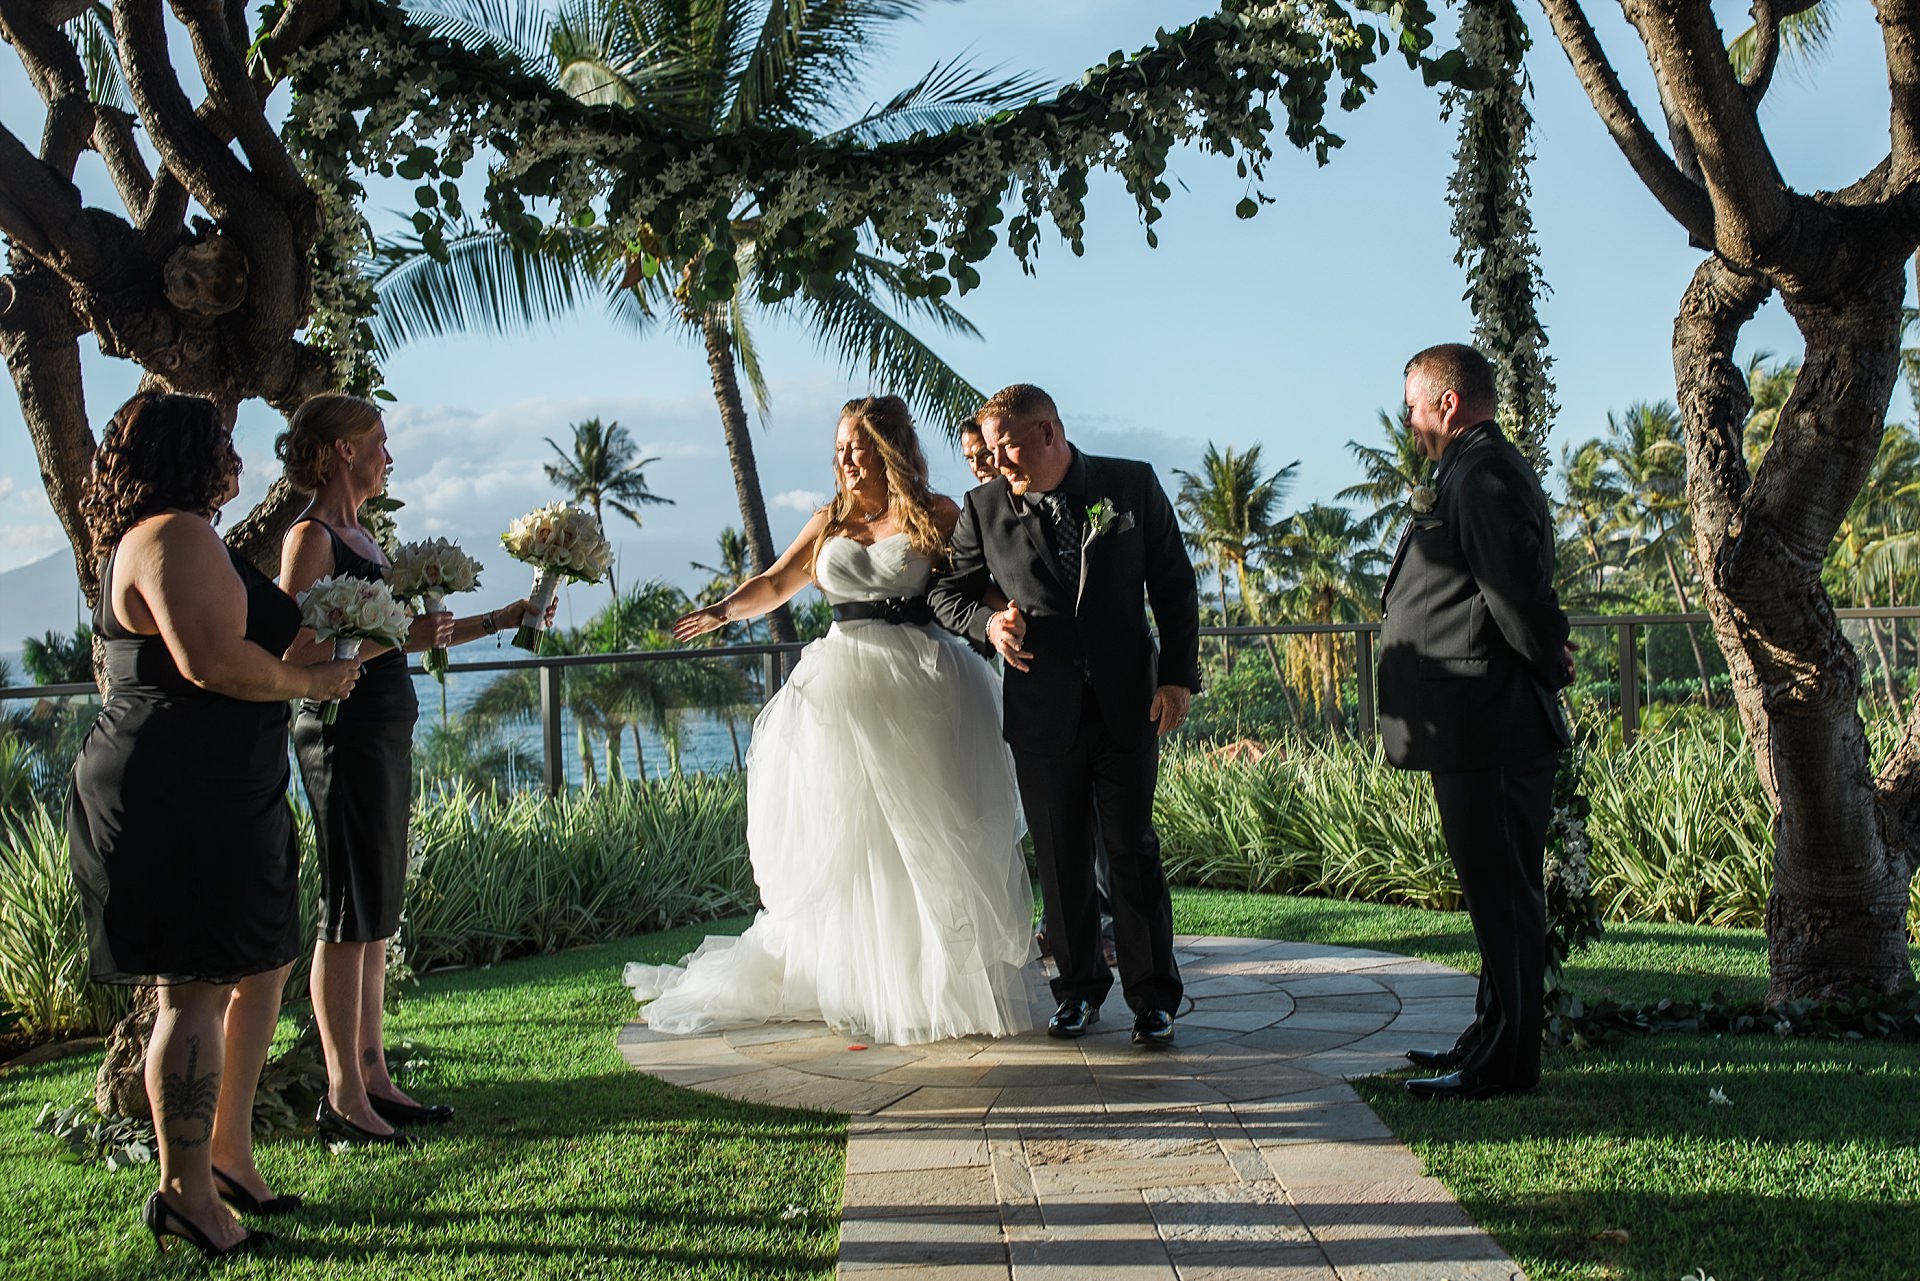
[(24, 543), (6, 488), (799, 500)]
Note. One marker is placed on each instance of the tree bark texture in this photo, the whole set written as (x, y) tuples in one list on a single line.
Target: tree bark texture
[(1845, 840)]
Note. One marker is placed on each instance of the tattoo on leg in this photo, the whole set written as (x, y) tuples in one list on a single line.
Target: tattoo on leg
[(370, 1055), (188, 1098)]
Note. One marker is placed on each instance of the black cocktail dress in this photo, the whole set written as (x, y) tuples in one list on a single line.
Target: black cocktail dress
[(178, 825), (358, 774)]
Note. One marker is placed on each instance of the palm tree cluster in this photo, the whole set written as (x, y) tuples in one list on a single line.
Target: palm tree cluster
[(1316, 565)]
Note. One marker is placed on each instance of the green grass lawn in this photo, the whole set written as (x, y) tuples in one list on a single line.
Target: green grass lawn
[(564, 1163)]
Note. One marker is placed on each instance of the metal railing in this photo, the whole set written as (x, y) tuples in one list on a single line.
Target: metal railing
[(775, 663)]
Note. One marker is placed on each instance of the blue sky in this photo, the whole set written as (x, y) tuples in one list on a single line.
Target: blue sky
[(1288, 331)]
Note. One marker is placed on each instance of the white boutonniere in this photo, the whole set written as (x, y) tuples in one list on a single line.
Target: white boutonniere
[(1103, 519), (1421, 500)]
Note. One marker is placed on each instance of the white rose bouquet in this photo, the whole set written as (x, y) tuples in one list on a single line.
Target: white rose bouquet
[(349, 611), (426, 571), (558, 540)]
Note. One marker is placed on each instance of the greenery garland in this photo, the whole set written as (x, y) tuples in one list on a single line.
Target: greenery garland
[(382, 94), (1491, 221)]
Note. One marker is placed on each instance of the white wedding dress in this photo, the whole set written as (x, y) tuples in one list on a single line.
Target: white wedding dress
[(883, 826)]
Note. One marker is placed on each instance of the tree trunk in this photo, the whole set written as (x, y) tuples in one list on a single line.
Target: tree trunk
[(746, 472), (733, 732), (120, 1086), (39, 335), (639, 754), (1843, 848)]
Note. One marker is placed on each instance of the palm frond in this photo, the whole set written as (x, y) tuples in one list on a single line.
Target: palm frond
[(950, 95), (520, 28), (739, 325), (1803, 37), (806, 53), (487, 284), (851, 324), (870, 270), (92, 36)]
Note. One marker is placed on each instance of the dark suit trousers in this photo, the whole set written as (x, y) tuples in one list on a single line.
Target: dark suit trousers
[(1061, 793), (1495, 822)]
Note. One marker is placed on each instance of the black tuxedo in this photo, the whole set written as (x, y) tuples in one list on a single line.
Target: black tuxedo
[(1472, 644), (1078, 721)]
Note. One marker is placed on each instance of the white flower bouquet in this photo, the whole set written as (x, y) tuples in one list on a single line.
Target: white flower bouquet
[(558, 540), (426, 571), (349, 611)]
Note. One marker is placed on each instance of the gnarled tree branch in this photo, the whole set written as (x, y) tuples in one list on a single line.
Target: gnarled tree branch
[(1681, 198)]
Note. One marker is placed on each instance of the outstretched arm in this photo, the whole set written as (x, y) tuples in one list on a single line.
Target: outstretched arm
[(763, 592)]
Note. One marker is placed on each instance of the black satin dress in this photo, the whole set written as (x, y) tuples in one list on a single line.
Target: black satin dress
[(358, 774), (178, 826)]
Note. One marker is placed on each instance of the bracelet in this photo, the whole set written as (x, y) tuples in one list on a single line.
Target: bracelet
[(487, 624)]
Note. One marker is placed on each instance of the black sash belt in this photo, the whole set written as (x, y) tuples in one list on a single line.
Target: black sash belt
[(895, 609)]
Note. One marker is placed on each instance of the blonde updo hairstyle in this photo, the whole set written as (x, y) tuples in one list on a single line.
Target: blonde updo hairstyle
[(887, 425), (306, 446)]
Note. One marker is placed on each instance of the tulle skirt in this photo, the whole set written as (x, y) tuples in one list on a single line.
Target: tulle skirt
[(883, 825)]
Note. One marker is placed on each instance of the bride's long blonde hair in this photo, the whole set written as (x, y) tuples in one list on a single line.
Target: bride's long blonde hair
[(887, 425)]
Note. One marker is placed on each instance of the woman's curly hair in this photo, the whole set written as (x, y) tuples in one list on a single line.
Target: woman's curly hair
[(306, 446), (161, 452), (887, 425)]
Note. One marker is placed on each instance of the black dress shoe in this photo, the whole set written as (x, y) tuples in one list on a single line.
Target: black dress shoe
[(1435, 1060), (1458, 1085), (1073, 1018), (329, 1125), (1153, 1027), (395, 1112)]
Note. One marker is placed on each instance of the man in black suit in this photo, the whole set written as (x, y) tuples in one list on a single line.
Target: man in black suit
[(1074, 542), (1473, 645)]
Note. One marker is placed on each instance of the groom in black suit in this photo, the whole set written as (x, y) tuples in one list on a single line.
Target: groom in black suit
[(1473, 645), (1075, 542)]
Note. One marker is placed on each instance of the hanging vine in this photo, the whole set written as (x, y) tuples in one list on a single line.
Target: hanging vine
[(1492, 224)]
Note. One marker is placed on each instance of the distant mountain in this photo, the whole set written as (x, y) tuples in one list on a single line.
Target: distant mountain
[(35, 599)]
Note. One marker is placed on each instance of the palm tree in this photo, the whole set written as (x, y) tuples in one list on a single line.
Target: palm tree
[(1645, 446), (59, 659), (600, 470), (1328, 569), (1768, 386), (1228, 509), (1391, 475), (1587, 514), (1877, 549), (734, 568), (722, 69)]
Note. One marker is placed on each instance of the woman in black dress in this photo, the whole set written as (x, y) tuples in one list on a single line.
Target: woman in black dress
[(178, 827), (358, 770)]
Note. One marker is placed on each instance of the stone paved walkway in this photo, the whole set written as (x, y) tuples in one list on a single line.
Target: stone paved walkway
[(1240, 1154)]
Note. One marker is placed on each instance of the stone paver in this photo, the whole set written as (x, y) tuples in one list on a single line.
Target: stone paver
[(1242, 1154)]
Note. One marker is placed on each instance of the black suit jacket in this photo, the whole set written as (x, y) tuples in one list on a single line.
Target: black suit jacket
[(1472, 635), (1088, 638)]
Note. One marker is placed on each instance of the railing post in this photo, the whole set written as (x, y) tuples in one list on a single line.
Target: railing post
[(1629, 683), (1363, 639), (553, 762)]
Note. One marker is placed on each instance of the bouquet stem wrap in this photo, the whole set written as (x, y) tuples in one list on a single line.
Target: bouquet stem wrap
[(545, 583), (344, 647), (434, 601)]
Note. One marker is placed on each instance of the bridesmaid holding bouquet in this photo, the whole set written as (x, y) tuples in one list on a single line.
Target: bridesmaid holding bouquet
[(358, 769)]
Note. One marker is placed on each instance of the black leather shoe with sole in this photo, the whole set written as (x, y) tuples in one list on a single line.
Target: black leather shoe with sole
[(1153, 1027), (1073, 1018)]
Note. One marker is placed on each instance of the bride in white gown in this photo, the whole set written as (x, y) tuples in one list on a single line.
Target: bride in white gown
[(882, 819)]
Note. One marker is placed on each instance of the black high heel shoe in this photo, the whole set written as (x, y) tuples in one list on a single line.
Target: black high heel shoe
[(245, 1202), (329, 1124), (164, 1221), (395, 1112)]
